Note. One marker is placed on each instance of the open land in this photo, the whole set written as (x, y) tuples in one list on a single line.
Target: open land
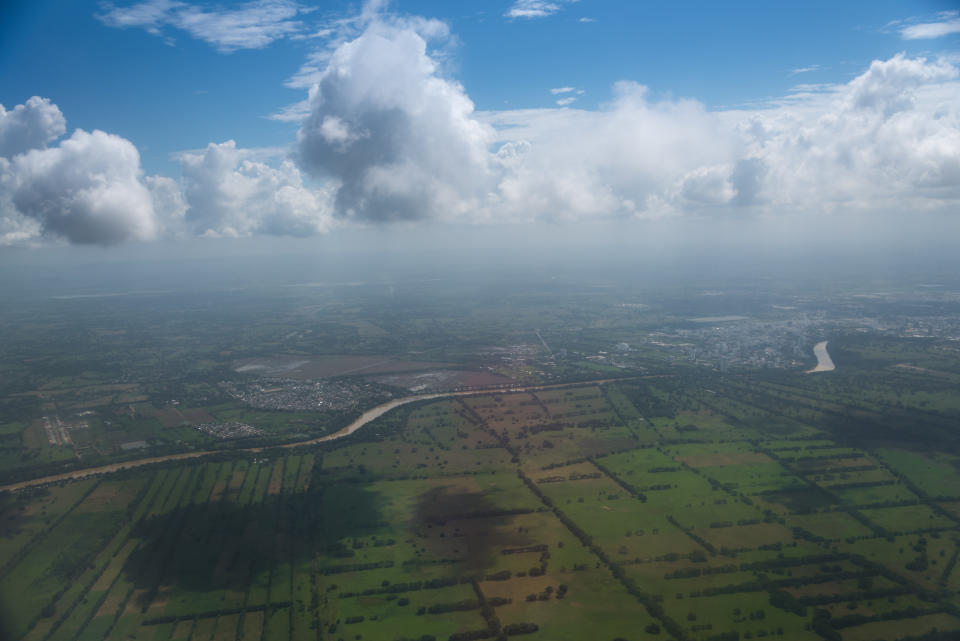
[(623, 472)]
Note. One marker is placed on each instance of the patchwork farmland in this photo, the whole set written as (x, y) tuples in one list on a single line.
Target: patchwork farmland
[(645, 509)]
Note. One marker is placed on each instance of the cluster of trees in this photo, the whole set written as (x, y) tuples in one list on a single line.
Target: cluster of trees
[(441, 520), (459, 606), (693, 535), (690, 573), (412, 586), (355, 567), (860, 595), (630, 489), (792, 562), (211, 614), (540, 547), (647, 403), (503, 575), (547, 593), (851, 620)]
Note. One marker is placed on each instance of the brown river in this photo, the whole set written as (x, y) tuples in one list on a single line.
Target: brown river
[(365, 418)]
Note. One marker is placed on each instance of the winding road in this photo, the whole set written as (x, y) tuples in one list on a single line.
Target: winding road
[(368, 416)]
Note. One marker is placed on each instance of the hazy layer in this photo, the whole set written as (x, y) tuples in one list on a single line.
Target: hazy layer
[(699, 250)]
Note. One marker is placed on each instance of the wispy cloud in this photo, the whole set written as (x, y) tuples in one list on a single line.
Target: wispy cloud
[(535, 8), (257, 154), (799, 70), (296, 112), (569, 95), (925, 27), (587, 20), (252, 25), (948, 24), (813, 87)]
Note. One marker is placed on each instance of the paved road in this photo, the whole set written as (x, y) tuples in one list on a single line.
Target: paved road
[(359, 422)]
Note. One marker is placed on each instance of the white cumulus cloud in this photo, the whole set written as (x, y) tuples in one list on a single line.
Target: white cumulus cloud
[(30, 126), (388, 136), (887, 141), (226, 193), (396, 140), (399, 141), (88, 189)]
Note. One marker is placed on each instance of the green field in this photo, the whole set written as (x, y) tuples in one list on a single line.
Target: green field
[(560, 515)]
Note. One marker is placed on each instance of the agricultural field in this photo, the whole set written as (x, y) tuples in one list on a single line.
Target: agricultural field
[(626, 510), (595, 459)]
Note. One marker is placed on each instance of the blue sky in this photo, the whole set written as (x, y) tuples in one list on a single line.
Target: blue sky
[(168, 96), (169, 77)]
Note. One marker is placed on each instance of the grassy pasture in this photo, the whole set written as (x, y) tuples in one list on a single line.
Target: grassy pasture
[(504, 497), (935, 474), (907, 519), (831, 525)]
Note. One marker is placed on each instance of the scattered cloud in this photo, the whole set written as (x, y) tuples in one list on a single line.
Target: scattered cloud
[(587, 20), (811, 87), (30, 126), (889, 140), (295, 112), (86, 190), (535, 8), (570, 95), (949, 23), (386, 136), (227, 192), (251, 25), (398, 141), (925, 27), (90, 189), (799, 70)]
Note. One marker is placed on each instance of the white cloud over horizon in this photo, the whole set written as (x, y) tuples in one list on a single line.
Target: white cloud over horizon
[(387, 136)]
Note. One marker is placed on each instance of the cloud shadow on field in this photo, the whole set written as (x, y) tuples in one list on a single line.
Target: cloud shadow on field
[(466, 525), (225, 545)]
